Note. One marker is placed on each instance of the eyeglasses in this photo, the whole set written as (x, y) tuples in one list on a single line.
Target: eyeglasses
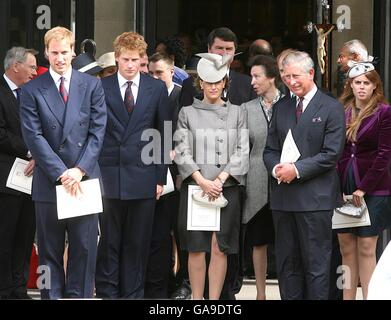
[(32, 67)]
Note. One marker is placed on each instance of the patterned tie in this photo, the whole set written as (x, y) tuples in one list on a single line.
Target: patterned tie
[(17, 91), (63, 91), (129, 99), (299, 109)]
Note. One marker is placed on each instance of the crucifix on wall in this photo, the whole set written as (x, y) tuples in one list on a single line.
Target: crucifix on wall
[(323, 31)]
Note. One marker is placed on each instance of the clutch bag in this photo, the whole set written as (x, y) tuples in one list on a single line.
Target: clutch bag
[(219, 202), (349, 209)]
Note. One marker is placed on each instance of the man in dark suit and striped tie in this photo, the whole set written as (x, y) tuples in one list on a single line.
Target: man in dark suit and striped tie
[(63, 116), (304, 192), (133, 179)]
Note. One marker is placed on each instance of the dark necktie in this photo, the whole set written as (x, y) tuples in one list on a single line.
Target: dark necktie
[(17, 91), (129, 99), (63, 91), (299, 108)]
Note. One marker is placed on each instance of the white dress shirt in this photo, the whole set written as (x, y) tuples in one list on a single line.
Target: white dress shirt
[(308, 97), (11, 84), (123, 84), (57, 78)]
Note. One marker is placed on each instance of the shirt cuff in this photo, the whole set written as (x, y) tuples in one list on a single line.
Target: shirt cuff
[(274, 171), (297, 171)]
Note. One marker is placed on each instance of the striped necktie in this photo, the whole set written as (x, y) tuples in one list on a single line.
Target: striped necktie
[(299, 109), (129, 99), (63, 90)]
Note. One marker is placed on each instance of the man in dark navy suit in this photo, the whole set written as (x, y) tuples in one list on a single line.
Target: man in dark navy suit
[(17, 218), (304, 192), (63, 116), (133, 170), (160, 261)]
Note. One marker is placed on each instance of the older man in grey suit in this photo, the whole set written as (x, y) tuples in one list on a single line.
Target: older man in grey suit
[(304, 193)]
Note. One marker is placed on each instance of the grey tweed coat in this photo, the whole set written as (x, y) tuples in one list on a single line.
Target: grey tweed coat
[(257, 176)]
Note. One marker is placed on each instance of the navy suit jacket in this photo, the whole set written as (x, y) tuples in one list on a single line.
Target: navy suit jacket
[(125, 173), (62, 136), (320, 137)]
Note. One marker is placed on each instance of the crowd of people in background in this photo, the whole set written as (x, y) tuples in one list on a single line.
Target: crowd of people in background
[(228, 119)]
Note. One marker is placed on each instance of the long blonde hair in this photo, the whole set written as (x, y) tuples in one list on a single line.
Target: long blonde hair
[(358, 115)]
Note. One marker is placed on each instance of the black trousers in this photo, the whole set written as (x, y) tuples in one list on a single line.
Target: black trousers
[(303, 254), (126, 230), (160, 255), (17, 229)]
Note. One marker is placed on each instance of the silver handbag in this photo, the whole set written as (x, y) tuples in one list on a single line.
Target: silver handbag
[(349, 209)]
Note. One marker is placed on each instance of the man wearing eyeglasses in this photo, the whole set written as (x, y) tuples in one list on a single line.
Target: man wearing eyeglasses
[(17, 218)]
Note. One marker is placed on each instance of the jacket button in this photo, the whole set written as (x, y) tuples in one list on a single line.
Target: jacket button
[(79, 144), (218, 165), (352, 156), (54, 127)]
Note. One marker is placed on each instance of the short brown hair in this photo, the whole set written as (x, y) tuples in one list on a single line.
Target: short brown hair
[(130, 41), (158, 56), (59, 33)]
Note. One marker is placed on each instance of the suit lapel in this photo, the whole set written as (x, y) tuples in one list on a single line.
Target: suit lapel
[(141, 106), (231, 93), (52, 97), (113, 96), (77, 91), (12, 104), (307, 116), (290, 110)]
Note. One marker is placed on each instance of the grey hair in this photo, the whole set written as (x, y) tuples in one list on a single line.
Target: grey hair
[(17, 54), (357, 47), (301, 57)]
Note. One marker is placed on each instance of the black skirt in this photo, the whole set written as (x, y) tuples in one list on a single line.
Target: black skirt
[(227, 237), (260, 229)]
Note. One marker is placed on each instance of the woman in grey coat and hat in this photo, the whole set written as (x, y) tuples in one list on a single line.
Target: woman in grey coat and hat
[(211, 152), (256, 212)]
